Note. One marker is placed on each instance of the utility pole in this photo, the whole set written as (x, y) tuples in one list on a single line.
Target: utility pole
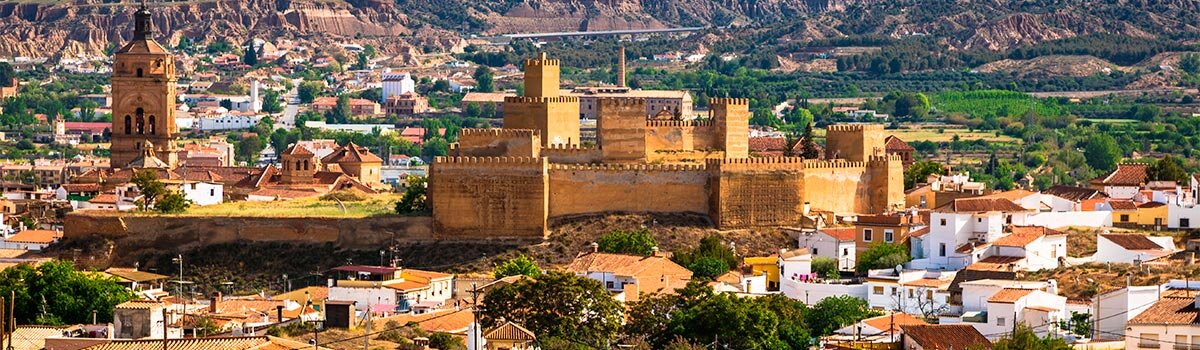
[(166, 329), (475, 316), (3, 323)]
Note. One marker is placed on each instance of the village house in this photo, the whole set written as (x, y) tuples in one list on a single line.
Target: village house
[(917, 292), (1130, 248), (962, 229), (1124, 182), (886, 228), (941, 189), (991, 306), (878, 329), (359, 108), (631, 276), (836, 243), (1171, 323), (391, 289), (942, 337), (33, 240)]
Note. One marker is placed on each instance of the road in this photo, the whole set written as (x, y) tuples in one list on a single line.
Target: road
[(288, 119)]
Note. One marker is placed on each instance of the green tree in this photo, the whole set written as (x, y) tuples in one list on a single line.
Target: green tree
[(250, 58), (1190, 63), (519, 266), (483, 79), (825, 267), (920, 170), (341, 112), (270, 102), (833, 313), (308, 90), (556, 304), (55, 293), (636, 242), (247, 149), (6, 74), (710, 247), (708, 267), (1102, 152), (172, 202), (434, 147), (1025, 339), (445, 341), (809, 146), (882, 256), (149, 186), (1167, 169), (414, 200)]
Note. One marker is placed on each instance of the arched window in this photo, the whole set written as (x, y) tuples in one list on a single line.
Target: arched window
[(153, 126), (306, 164), (139, 72), (141, 122), (297, 165), (128, 125)]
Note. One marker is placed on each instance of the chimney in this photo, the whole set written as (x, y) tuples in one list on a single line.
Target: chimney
[(654, 251), (1191, 258), (279, 313), (595, 247), (807, 207), (216, 300), (621, 67)]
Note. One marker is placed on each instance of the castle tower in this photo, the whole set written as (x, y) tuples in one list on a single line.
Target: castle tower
[(299, 165), (542, 109), (732, 119), (143, 89), (621, 67), (621, 127), (854, 142)]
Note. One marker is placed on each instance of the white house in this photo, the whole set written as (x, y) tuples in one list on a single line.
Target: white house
[(1038, 247), (1182, 216), (795, 265), (1128, 248), (1171, 323), (397, 84), (917, 292), (992, 306), (834, 243), (383, 288), (35, 240), (961, 229), (227, 121), (1124, 182), (885, 328), (202, 193), (1113, 310)]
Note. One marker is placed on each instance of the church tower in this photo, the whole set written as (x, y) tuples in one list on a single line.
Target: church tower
[(143, 89)]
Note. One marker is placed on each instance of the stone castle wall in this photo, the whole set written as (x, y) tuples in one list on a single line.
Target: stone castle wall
[(489, 197), (572, 154), (357, 233), (499, 142), (555, 118), (756, 192), (589, 189), (854, 142)]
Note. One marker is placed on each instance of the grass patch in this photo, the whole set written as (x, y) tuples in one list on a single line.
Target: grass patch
[(911, 135), (372, 205)]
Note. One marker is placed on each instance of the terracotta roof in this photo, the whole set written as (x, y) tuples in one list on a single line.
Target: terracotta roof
[(971, 247), (1022, 236), (351, 153), (980, 205), (1009, 295), (139, 305), (893, 143), (1074, 193), (994, 263), (298, 150), (1131, 174), (1132, 241), (840, 233), (946, 336), (437, 321), (104, 198), (794, 253), (315, 293), (1011, 195), (891, 322), (1169, 311), (1122, 205), (132, 275), (35, 237), (509, 331), (928, 282), (33, 337), (919, 232), (1041, 308), (767, 144), (1148, 205), (654, 273), (88, 187)]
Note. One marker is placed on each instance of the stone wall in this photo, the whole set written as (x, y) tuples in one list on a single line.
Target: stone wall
[(555, 118), (572, 154), (499, 142), (732, 118), (854, 142), (489, 197), (756, 192), (621, 129), (836, 185), (357, 233), (642, 188)]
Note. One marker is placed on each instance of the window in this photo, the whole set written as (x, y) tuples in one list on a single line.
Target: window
[(978, 219), (212, 192), (1000, 321), (1148, 340), (815, 252), (845, 252), (152, 125), (877, 290), (943, 222), (887, 235), (867, 234), (141, 121), (910, 293), (1181, 342), (1124, 217), (128, 125), (608, 284), (928, 295), (922, 205), (139, 72), (1183, 222), (941, 249)]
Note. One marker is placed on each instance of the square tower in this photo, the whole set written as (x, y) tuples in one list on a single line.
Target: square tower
[(854, 142), (732, 119), (143, 89), (555, 117), (541, 76)]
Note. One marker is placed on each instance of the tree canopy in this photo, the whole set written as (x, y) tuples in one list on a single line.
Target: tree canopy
[(1102, 152), (882, 256), (559, 305), (55, 293), (519, 266), (708, 260), (636, 242)]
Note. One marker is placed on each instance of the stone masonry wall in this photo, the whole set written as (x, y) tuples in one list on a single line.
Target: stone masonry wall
[(756, 192), (489, 197), (586, 189)]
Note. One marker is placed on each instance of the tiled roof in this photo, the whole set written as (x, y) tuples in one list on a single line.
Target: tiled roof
[(767, 144), (994, 263), (298, 150), (1132, 241), (1131, 174), (104, 198), (351, 153), (794, 253), (33, 337), (1073, 193), (1170, 311), (134, 275), (654, 273), (980, 205), (971, 247), (87, 187), (1149, 205), (893, 143), (892, 322), (1011, 195), (929, 283), (509, 331), (1122, 205), (315, 293), (840, 233), (437, 321), (139, 305), (224, 343), (1022, 236), (1009, 295), (35, 237), (946, 336), (919, 232)]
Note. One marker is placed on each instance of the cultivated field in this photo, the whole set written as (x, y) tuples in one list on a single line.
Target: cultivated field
[(376, 205)]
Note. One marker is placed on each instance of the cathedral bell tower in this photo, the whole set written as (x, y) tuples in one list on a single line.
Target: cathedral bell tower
[(143, 89)]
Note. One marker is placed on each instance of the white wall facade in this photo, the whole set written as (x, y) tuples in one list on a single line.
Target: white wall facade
[(364, 296), (1113, 310), (227, 122), (812, 293), (1070, 218), (203, 193), (1165, 337)]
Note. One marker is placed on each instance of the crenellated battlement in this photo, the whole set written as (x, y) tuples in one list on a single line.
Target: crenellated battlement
[(714, 101), (853, 127), (832, 164), (499, 133), (679, 123), (567, 147), (756, 164), (452, 162), (542, 62), (884, 159), (625, 167), (535, 99)]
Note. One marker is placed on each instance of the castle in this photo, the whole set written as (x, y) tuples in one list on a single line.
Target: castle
[(509, 182)]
